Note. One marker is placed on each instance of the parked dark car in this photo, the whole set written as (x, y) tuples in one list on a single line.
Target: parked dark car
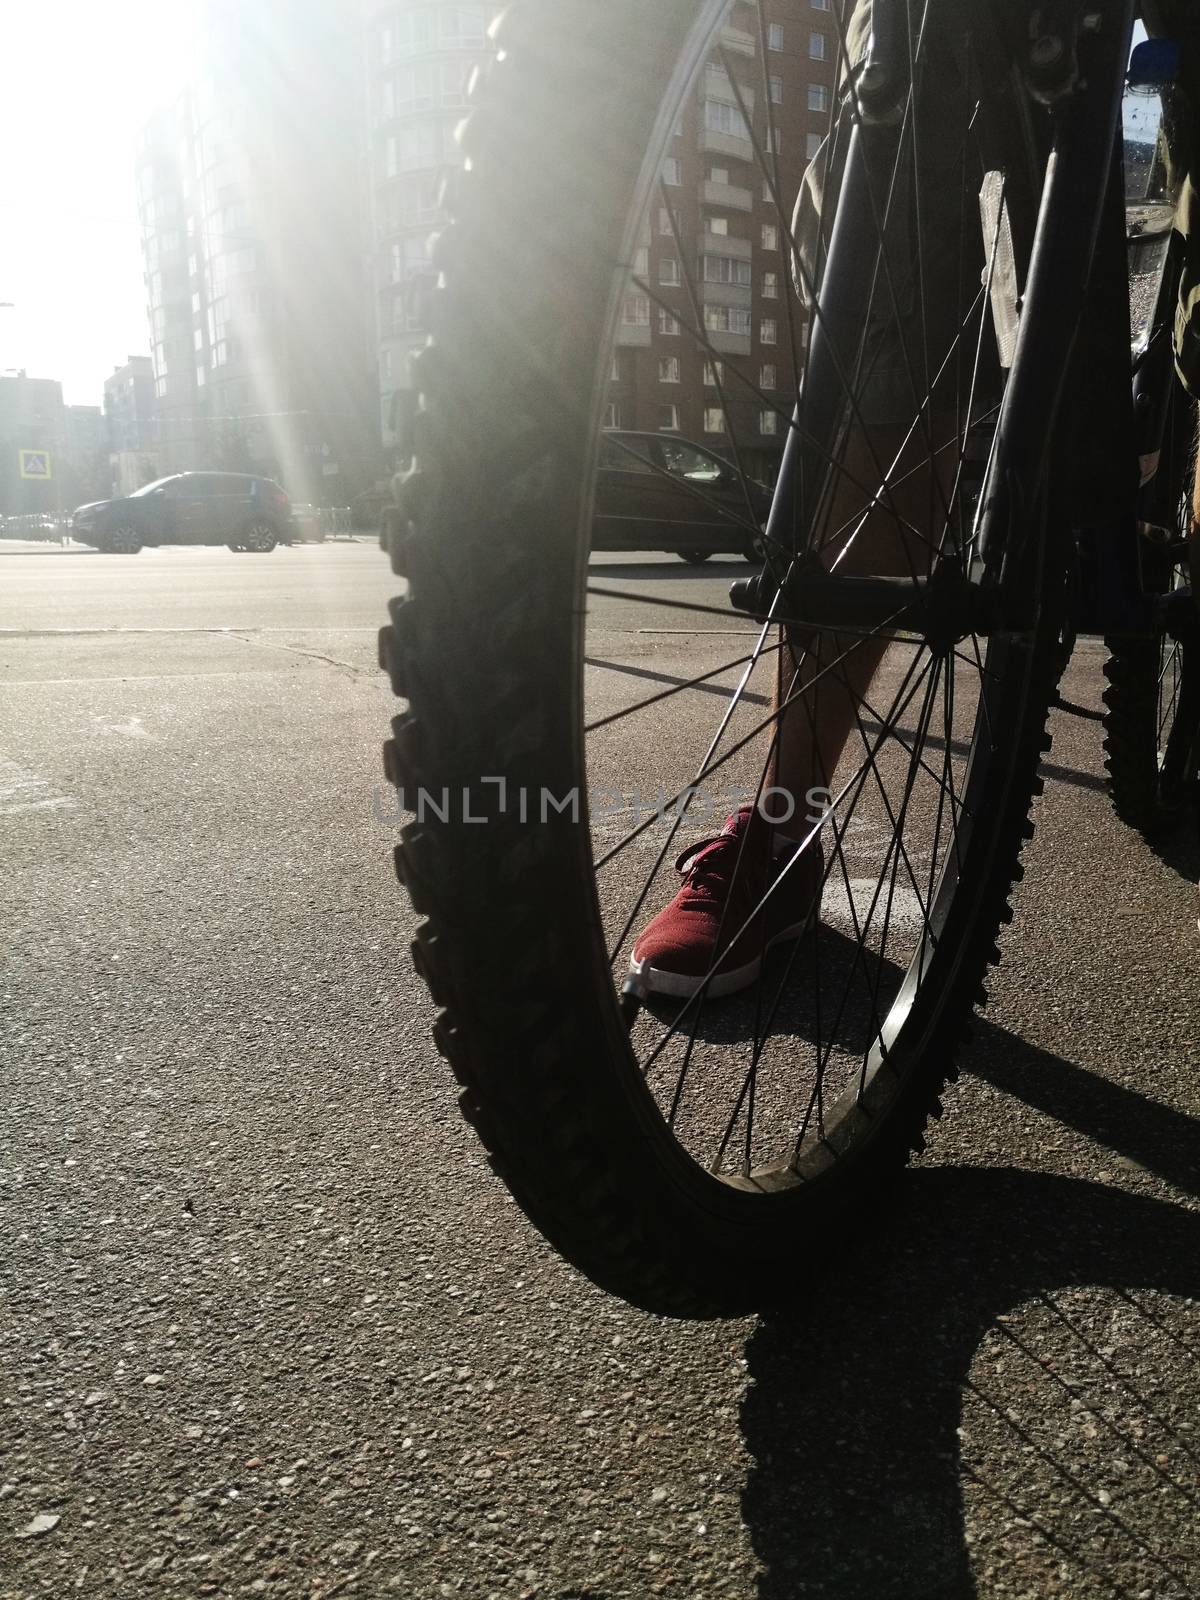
[(230, 508), (655, 491)]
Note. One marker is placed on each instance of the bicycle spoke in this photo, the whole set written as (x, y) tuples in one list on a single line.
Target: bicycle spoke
[(859, 774), (678, 688), (712, 766)]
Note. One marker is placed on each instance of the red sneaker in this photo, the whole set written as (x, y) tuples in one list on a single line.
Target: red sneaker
[(720, 895)]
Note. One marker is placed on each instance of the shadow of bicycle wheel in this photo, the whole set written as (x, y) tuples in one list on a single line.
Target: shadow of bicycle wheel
[(855, 1418)]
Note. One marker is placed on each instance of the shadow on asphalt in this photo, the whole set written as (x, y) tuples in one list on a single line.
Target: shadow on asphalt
[(1179, 847), (718, 566), (853, 1415)]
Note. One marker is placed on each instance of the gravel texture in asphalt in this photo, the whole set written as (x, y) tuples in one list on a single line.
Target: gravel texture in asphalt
[(272, 1328)]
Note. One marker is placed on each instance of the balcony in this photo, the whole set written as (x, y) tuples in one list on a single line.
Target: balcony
[(728, 294), (726, 144), (738, 41), (726, 196), (633, 335), (722, 244), (717, 86), (729, 344)]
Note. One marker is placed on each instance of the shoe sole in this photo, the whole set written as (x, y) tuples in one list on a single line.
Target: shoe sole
[(683, 985)]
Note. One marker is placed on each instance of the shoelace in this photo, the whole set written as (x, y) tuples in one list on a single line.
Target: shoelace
[(691, 863)]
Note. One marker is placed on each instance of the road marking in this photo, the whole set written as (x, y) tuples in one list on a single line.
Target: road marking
[(132, 729), (906, 910), (22, 790), (226, 630)]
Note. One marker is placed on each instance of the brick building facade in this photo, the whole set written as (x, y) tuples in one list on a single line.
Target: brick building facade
[(726, 243)]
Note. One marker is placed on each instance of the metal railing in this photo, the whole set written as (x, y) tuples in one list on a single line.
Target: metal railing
[(336, 522), (43, 527)]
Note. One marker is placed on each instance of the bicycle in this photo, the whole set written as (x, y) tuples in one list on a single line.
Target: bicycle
[(699, 1159), (1152, 714)]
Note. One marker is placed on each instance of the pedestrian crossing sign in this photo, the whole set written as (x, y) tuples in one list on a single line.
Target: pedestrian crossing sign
[(36, 464)]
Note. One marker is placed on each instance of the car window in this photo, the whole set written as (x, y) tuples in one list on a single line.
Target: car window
[(210, 485), (626, 452), (685, 461), (153, 487)]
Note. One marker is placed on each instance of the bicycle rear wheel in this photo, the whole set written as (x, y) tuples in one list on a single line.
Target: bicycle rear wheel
[(697, 1158), (1152, 727)]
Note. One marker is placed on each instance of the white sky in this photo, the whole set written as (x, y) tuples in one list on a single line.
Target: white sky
[(77, 79)]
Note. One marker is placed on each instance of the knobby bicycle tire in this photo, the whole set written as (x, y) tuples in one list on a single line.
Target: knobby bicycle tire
[(491, 533)]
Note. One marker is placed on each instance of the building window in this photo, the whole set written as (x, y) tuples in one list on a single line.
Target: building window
[(714, 419), (766, 375), (719, 175), (773, 144), (615, 373), (717, 225), (636, 310), (664, 222), (820, 5), (461, 25), (668, 369), (714, 373), (721, 117), (816, 47), (727, 319), (672, 171), (668, 272), (775, 36), (813, 146), (777, 91), (770, 236), (641, 263), (725, 269), (818, 97), (612, 414), (767, 332), (770, 286), (668, 419), (767, 421), (667, 324)]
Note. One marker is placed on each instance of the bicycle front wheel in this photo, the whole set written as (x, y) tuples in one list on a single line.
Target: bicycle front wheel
[(626, 228)]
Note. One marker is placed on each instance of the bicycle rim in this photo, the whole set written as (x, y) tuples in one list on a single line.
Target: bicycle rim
[(672, 1146)]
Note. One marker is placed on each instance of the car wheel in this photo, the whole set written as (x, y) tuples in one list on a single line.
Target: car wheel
[(123, 541), (260, 538), (235, 547), (695, 558)]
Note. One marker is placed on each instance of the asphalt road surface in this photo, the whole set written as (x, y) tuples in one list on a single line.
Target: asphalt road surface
[(270, 1327)]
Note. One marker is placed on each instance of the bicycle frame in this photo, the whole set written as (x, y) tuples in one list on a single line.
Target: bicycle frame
[(1076, 301)]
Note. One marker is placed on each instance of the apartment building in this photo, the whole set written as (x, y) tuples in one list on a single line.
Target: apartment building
[(715, 235), (33, 445), (419, 57), (129, 405), (253, 207), (720, 234)]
